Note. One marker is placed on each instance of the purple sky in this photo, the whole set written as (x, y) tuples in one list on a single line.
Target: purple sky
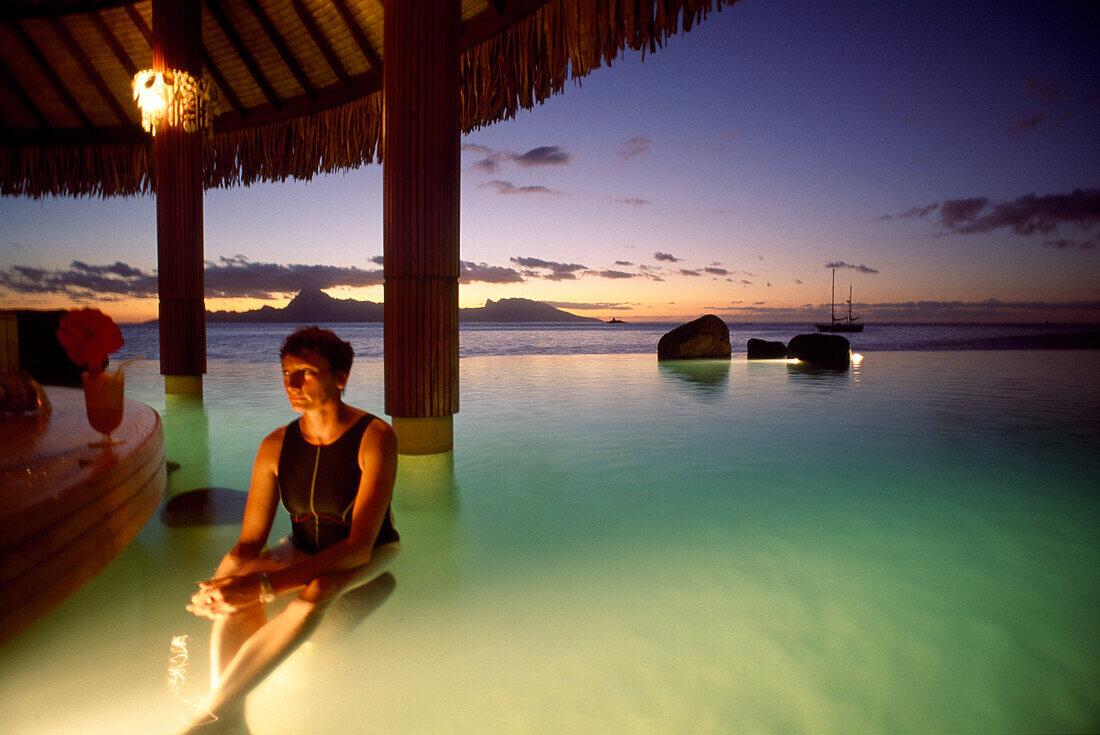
[(943, 156)]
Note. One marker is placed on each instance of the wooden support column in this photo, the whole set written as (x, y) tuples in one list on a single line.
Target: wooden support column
[(421, 176), (177, 44)]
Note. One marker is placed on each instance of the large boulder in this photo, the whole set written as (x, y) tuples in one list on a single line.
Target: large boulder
[(707, 336), (821, 350), (762, 349)]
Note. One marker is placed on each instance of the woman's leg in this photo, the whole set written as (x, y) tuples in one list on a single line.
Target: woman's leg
[(228, 634), (266, 648)]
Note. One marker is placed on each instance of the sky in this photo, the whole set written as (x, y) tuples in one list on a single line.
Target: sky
[(942, 157)]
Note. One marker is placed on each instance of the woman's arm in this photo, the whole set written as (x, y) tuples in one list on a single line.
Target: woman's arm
[(224, 593), (378, 465)]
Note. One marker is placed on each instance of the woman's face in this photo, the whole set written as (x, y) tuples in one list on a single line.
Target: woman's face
[(309, 381)]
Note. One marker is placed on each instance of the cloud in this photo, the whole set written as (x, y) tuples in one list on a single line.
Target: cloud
[(633, 202), (1041, 88), (238, 277), (841, 264), (666, 257), (546, 155), (378, 260), (583, 306), (1023, 124), (505, 187), (1062, 244), (81, 281), (234, 277), (634, 147), (470, 272), (613, 274), (552, 265), (558, 271), (623, 262), (1025, 215), (911, 212), (713, 210), (687, 272), (716, 271)]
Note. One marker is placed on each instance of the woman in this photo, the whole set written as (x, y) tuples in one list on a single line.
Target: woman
[(333, 469)]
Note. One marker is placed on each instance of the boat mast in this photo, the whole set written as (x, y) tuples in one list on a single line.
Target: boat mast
[(849, 303), (832, 299)]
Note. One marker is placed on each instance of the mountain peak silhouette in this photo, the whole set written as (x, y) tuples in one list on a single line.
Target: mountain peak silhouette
[(312, 305)]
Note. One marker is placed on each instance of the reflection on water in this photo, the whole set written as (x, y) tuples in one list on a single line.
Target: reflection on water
[(917, 553), (204, 506), (426, 514), (707, 377), (426, 484), (797, 370), (186, 442)]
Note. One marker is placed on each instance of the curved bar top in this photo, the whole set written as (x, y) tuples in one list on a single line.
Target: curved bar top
[(69, 508)]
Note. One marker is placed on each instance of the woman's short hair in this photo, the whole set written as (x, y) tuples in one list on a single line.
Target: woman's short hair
[(323, 342)]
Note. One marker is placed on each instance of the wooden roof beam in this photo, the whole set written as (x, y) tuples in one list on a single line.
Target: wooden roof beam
[(360, 38), (139, 22), (321, 42), (113, 42), (47, 69), (280, 46), (58, 26), (10, 10), (25, 98), (250, 63), (487, 24), (223, 85)]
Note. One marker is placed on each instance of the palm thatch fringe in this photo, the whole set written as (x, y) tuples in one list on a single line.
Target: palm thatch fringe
[(513, 70)]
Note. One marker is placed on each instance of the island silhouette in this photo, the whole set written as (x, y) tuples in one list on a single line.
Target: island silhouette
[(315, 306)]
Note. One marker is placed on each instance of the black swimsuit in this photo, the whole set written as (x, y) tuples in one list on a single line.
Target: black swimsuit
[(318, 485)]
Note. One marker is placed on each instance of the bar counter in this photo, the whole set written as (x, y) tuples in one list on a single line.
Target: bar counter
[(67, 508)]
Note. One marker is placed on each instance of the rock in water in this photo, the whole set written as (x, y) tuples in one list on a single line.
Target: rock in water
[(707, 336), (762, 349), (822, 350)]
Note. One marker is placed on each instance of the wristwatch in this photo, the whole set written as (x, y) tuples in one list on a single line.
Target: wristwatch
[(267, 592)]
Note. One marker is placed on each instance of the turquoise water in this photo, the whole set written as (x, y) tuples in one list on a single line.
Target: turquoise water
[(618, 545)]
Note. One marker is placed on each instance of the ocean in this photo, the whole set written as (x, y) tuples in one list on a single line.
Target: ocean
[(261, 342), (620, 545)]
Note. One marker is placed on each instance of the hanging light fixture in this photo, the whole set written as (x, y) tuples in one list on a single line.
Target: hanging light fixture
[(171, 97)]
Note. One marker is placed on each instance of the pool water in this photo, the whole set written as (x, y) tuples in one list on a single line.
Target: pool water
[(623, 546)]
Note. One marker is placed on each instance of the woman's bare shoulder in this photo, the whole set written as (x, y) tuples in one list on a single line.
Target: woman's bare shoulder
[(271, 446), (378, 435)]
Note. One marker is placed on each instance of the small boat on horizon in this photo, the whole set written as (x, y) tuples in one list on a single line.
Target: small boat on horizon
[(613, 320), (843, 324)]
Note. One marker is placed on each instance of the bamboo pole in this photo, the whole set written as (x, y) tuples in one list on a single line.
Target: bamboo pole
[(177, 44), (420, 221)]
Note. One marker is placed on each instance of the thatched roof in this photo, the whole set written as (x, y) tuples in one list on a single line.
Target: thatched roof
[(299, 81)]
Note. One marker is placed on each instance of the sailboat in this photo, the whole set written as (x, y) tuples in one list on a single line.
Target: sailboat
[(843, 324)]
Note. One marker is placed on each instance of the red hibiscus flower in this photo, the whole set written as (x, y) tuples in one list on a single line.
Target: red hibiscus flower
[(89, 336)]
